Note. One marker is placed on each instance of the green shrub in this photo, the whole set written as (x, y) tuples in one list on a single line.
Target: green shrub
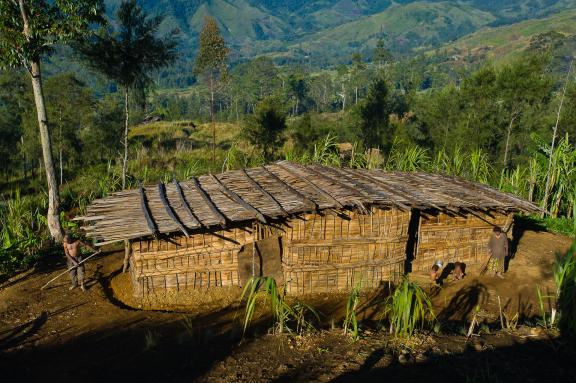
[(350, 321), (409, 308), (284, 316), (565, 278)]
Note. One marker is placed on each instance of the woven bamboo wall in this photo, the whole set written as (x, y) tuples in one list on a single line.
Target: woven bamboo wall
[(327, 253), (459, 238), (199, 261)]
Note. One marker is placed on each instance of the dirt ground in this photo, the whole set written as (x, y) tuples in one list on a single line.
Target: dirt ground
[(104, 335)]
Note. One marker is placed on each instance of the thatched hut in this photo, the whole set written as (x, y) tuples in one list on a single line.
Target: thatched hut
[(315, 228)]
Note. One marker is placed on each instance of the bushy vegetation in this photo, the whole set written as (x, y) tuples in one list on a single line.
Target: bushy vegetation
[(409, 309), (286, 317), (565, 278)]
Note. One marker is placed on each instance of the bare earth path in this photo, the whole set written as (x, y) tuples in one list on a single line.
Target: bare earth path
[(60, 335)]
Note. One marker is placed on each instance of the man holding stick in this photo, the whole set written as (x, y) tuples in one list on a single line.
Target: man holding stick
[(74, 259)]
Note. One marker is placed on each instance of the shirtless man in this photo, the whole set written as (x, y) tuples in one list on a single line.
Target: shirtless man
[(73, 258)]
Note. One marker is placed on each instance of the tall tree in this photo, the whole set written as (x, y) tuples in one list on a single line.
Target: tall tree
[(28, 30), (374, 113), (128, 54), (520, 86), (266, 126), (381, 55), (551, 159), (211, 63)]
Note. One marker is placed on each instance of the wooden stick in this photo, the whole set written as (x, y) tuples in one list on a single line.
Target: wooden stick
[(208, 201), (196, 221), (67, 271), (307, 201), (313, 185), (145, 209), (239, 199), (169, 210), (263, 191)]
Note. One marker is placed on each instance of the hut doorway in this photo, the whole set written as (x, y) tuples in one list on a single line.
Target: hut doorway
[(412, 243), (261, 258)]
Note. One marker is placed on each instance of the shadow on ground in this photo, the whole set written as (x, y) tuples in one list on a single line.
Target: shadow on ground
[(532, 361)]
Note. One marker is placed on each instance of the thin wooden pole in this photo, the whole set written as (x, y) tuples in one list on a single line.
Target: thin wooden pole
[(68, 270)]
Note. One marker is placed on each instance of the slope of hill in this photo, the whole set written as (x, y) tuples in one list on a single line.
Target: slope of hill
[(294, 29), (405, 28), (502, 44)]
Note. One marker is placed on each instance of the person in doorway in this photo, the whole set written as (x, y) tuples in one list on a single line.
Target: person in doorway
[(73, 251), (498, 250)]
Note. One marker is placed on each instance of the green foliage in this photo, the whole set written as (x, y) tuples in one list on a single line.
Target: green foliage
[(408, 159), (350, 320), (265, 129), (284, 316), (565, 278), (409, 308), (373, 114), (213, 51), (130, 52), (23, 232), (49, 23)]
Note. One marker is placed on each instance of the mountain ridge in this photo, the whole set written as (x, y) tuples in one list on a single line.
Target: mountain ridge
[(289, 30)]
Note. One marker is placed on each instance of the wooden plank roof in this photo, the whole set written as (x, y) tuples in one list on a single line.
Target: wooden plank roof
[(278, 190)]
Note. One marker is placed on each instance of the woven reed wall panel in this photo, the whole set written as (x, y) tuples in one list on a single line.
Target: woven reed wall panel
[(200, 261), (329, 253), (452, 239)]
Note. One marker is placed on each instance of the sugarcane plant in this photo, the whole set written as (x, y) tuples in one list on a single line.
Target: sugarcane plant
[(565, 280), (350, 321), (409, 308), (285, 317)]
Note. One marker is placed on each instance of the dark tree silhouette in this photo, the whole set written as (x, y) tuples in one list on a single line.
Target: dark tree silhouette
[(128, 54)]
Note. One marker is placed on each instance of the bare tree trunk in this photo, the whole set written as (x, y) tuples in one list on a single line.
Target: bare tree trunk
[(508, 139), (356, 95), (126, 122), (53, 197), (554, 134), (213, 119), (53, 215)]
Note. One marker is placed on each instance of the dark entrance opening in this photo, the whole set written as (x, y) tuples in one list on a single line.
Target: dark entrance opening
[(411, 245)]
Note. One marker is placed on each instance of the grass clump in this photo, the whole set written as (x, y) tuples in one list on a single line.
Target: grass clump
[(565, 279), (409, 308), (350, 321), (298, 317)]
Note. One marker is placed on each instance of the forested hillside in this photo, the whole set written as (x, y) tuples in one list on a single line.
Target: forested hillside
[(296, 30), (372, 79)]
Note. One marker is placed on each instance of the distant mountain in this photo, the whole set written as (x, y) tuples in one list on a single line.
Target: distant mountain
[(555, 34), (328, 31)]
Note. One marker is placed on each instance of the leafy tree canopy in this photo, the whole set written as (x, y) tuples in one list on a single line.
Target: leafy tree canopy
[(49, 23), (128, 53)]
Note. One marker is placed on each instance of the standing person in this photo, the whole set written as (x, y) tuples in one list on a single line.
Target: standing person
[(73, 258), (498, 250)]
